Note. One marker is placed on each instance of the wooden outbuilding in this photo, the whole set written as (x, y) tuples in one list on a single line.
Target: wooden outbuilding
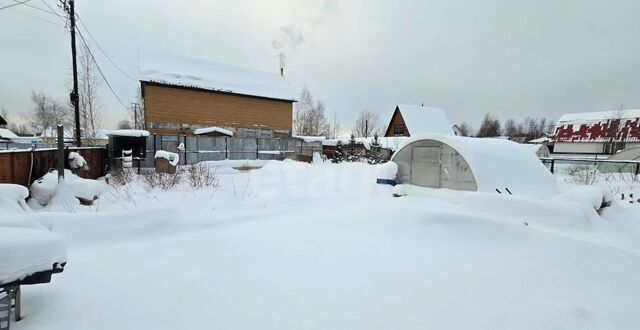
[(408, 120), (181, 95)]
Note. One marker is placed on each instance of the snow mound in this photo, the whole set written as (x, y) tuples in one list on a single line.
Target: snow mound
[(388, 171), (44, 189)]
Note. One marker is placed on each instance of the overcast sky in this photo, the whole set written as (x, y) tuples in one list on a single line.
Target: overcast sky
[(511, 58)]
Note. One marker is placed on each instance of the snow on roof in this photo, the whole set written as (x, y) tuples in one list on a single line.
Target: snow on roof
[(127, 132), (421, 119), (7, 134), (544, 139), (212, 129), (311, 138), (586, 117), (172, 157), (203, 74), (52, 132), (497, 163)]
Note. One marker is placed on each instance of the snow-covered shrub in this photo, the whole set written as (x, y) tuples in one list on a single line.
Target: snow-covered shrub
[(77, 162), (164, 181), (582, 174), (200, 176), (122, 177)]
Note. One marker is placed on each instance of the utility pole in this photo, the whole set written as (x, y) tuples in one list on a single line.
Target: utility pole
[(135, 115), (74, 94), (366, 128)]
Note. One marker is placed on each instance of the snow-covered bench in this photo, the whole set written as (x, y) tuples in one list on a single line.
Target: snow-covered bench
[(29, 252)]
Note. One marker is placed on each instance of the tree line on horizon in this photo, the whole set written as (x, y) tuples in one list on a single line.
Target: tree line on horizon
[(528, 129)]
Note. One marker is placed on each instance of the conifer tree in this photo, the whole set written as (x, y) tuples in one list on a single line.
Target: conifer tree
[(352, 150), (374, 154), (338, 155)]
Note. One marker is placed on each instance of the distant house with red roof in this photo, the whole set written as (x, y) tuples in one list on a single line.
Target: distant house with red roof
[(604, 132)]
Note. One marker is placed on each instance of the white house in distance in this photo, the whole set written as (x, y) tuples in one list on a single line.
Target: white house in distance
[(408, 120), (604, 132)]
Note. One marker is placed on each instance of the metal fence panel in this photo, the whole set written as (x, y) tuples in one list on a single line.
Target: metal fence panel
[(206, 148)]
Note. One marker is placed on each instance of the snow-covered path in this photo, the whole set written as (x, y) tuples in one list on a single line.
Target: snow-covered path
[(324, 248)]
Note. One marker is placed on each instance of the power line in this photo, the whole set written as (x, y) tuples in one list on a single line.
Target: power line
[(100, 70), (37, 17), (50, 8), (104, 52), (15, 4)]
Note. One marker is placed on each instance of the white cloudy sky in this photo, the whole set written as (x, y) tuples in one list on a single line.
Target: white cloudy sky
[(513, 58)]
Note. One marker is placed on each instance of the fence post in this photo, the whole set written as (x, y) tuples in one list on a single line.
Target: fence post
[(553, 163), (154, 150), (226, 148), (60, 153), (257, 150), (184, 139)]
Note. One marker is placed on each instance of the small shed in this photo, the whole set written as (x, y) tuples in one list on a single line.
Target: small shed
[(474, 164), (127, 139)]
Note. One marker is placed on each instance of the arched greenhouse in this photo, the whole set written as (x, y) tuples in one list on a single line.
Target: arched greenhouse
[(474, 164)]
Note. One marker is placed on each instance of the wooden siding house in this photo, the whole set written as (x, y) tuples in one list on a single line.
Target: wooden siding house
[(181, 95), (408, 120)]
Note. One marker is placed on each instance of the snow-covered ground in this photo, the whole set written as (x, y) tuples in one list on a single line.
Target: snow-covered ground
[(301, 246)]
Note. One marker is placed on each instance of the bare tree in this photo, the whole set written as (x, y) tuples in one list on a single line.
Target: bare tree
[(4, 114), (512, 130), (91, 111), (309, 117), (46, 113), (490, 126), (367, 124), (125, 124), (465, 128)]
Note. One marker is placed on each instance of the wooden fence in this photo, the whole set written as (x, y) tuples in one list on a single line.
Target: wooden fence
[(25, 166)]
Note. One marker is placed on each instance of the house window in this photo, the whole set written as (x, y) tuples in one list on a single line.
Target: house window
[(398, 129)]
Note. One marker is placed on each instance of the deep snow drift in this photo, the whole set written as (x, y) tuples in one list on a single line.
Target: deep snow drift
[(300, 246)]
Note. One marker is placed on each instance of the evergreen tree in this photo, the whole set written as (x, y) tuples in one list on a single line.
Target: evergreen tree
[(338, 155), (352, 150), (374, 155)]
